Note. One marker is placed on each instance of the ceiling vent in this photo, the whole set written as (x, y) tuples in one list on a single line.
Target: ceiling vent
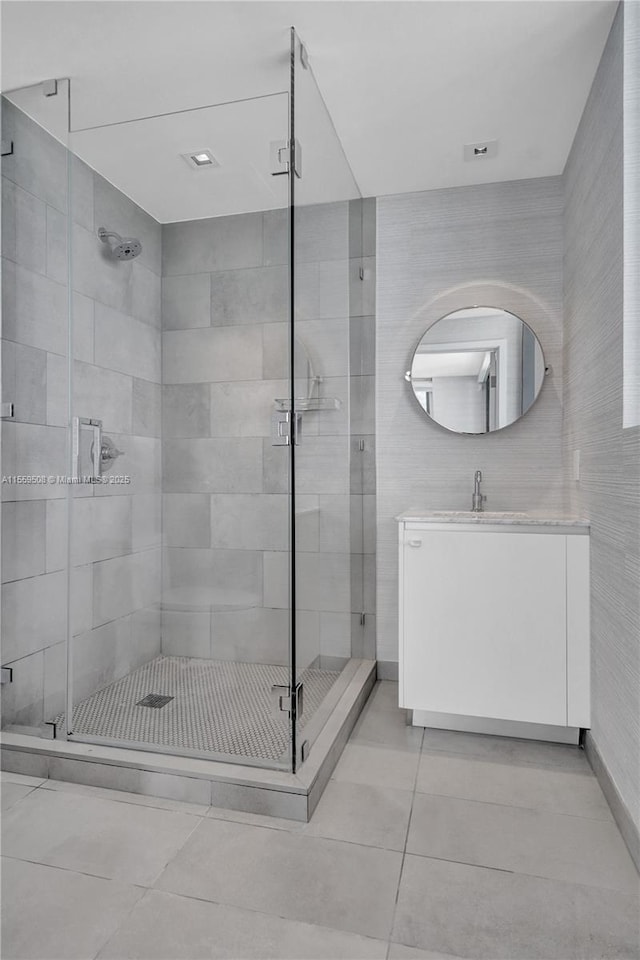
[(200, 159), (483, 150)]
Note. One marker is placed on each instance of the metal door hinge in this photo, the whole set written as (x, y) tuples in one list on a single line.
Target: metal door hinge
[(361, 273), (305, 750), (50, 88), (286, 428), (6, 674), (288, 700), (361, 446), (281, 151), (7, 411), (6, 148), (363, 617)]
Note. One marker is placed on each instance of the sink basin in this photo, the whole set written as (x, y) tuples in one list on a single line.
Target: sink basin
[(482, 515)]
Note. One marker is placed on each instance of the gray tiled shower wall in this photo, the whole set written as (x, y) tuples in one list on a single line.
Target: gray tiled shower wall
[(225, 486), (116, 377), (209, 298)]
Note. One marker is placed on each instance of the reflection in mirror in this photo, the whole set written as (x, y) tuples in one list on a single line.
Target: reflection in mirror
[(477, 370)]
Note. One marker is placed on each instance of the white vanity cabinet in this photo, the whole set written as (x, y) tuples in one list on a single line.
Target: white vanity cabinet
[(494, 621)]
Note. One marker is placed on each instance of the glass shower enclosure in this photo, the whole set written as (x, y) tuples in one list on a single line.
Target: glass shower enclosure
[(181, 495)]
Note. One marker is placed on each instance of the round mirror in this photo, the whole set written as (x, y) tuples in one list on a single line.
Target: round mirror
[(477, 370)]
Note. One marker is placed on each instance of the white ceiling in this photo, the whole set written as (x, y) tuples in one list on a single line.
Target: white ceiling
[(406, 85), (145, 159)]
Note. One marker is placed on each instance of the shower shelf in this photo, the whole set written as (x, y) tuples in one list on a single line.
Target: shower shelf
[(308, 403)]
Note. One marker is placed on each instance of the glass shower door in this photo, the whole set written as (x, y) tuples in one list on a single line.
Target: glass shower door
[(181, 536), (33, 435), (147, 597), (326, 250)]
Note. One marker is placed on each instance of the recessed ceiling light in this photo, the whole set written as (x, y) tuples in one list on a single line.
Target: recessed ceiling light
[(200, 158), (481, 151)]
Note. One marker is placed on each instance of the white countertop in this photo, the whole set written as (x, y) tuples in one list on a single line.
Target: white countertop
[(510, 518)]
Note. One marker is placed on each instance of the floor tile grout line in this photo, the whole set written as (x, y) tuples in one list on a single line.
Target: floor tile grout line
[(536, 764), (480, 866), (521, 873), (77, 871), (515, 806), (404, 851), (7, 777), (171, 893), (120, 799), (360, 741), (177, 852), (439, 954), (261, 913), (27, 794), (301, 833), (120, 924), (582, 767), (207, 815), (243, 823)]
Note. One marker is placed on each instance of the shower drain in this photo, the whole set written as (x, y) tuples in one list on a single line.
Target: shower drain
[(156, 700)]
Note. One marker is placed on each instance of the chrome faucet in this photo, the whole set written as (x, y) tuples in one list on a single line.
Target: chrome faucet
[(478, 498)]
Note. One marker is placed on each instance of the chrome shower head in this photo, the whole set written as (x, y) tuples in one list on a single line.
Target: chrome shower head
[(126, 248)]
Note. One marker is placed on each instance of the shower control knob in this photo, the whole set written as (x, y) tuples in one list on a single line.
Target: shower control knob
[(109, 453)]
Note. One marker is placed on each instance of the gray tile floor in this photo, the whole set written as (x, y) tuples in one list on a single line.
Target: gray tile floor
[(425, 844)]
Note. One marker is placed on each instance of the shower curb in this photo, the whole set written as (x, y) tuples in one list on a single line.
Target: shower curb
[(233, 786)]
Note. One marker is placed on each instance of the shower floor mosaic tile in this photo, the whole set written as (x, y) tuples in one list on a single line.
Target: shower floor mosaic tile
[(216, 706)]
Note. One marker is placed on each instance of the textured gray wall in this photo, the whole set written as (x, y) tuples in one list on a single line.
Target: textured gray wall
[(609, 489), (493, 245), (632, 215), (116, 370)]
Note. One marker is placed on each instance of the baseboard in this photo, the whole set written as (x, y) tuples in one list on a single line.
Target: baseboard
[(388, 670), (622, 816)]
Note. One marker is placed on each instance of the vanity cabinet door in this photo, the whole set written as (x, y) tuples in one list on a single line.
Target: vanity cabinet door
[(484, 624)]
